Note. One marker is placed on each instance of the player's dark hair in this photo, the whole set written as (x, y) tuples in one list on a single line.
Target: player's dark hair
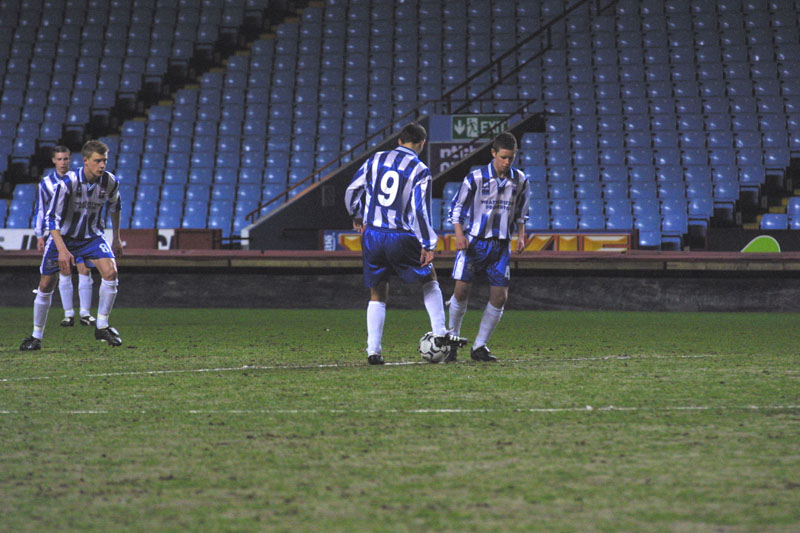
[(505, 141), (93, 147), (59, 149), (413, 133)]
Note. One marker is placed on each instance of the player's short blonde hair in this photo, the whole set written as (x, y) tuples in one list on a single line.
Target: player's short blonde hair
[(93, 147)]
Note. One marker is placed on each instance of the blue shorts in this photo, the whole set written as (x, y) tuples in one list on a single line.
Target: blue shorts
[(82, 249), (86, 262), (484, 259), (387, 251)]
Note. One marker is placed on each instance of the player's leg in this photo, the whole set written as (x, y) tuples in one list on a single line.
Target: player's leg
[(107, 267), (41, 305), (376, 273), (491, 317), (434, 303), (404, 253), (458, 305), (66, 291), (376, 317), (44, 296), (85, 284), (464, 268), (499, 275)]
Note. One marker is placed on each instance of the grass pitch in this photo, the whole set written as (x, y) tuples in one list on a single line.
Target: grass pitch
[(236, 420)]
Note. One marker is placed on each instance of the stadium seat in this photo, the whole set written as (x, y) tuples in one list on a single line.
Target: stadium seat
[(793, 207), (620, 222), (774, 221), (592, 223), (565, 221), (588, 190)]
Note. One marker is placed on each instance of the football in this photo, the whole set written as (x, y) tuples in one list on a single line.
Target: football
[(430, 351)]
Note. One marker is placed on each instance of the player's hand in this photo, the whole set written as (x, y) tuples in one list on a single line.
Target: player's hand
[(358, 225), (40, 244), (426, 257), (461, 242), (522, 240), (116, 247), (65, 262)]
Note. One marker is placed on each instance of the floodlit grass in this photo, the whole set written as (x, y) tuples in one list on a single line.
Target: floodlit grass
[(272, 420)]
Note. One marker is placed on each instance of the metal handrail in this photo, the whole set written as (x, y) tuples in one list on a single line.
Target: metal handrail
[(546, 31)]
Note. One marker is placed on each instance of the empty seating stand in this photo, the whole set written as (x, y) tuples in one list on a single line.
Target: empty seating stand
[(644, 98)]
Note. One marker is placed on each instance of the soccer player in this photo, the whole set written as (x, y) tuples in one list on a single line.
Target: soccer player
[(390, 202), (75, 222), (46, 187), (491, 201)]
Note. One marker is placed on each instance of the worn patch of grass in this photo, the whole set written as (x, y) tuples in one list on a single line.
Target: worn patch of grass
[(271, 420)]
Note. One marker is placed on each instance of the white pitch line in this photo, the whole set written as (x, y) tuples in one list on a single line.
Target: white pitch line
[(511, 410), (336, 365)]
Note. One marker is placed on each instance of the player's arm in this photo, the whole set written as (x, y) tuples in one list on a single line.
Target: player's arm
[(522, 208), (462, 197), (116, 240), (60, 198), (353, 197), (421, 202), (39, 227), (521, 237), (115, 207)]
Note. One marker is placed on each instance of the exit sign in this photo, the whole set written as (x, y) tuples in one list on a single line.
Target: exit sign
[(465, 127)]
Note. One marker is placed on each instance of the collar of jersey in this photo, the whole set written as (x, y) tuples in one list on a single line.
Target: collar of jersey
[(502, 181), (82, 178), (407, 150)]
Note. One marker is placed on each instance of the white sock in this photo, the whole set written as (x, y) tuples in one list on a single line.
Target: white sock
[(67, 292), (432, 296), (41, 305), (491, 316), (85, 293), (376, 316), (108, 293), (457, 312)]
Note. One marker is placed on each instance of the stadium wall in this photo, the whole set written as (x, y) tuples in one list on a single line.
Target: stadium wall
[(634, 281)]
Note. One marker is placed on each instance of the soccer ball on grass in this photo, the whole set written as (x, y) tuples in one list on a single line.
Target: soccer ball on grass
[(430, 351)]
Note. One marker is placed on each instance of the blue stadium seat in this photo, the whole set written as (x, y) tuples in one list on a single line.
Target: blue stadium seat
[(152, 176), (592, 223), (774, 221), (591, 206), (776, 157), (647, 206), (588, 189), (565, 221), (560, 190), (620, 222), (671, 206), (173, 192), (643, 189), (195, 213), (153, 160), (752, 176), (793, 207)]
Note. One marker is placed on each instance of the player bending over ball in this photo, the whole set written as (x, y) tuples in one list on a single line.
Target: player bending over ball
[(75, 222), (490, 202), (390, 202)]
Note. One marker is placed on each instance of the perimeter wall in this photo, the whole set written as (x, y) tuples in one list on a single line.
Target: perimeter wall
[(635, 281)]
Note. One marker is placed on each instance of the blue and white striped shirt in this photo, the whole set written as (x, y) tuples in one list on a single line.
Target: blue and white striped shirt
[(392, 190), (77, 206), (488, 207), (46, 189)]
